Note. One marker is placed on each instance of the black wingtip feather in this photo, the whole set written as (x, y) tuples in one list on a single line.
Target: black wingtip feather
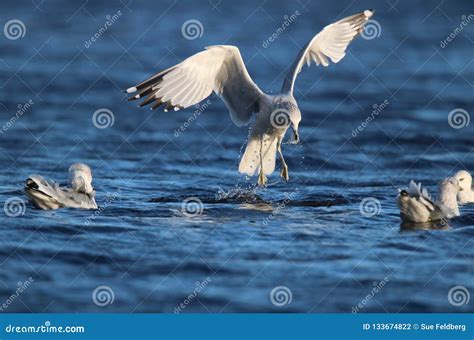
[(147, 100), (169, 107), (30, 184), (153, 80), (157, 104)]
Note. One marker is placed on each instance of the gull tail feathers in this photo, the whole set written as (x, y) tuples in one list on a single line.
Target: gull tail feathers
[(259, 154), (422, 194)]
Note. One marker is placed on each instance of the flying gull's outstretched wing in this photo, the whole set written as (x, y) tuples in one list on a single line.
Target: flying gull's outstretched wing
[(330, 43), (219, 69)]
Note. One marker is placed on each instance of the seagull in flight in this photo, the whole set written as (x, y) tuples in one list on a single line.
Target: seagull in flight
[(220, 69)]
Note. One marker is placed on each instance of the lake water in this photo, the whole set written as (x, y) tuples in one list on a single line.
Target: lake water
[(330, 239)]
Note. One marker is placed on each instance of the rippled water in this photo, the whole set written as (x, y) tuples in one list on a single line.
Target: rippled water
[(308, 235)]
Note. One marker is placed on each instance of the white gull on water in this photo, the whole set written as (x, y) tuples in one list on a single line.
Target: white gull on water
[(416, 204), (221, 69), (46, 194)]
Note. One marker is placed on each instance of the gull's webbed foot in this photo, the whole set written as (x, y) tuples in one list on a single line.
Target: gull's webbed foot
[(262, 179), (284, 172)]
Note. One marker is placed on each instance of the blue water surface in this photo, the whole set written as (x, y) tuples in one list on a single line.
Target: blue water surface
[(311, 235)]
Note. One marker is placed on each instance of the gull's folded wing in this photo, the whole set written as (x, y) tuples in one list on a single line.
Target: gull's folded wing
[(219, 69), (330, 43)]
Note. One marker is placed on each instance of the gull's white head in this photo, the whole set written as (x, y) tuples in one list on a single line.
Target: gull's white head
[(450, 184), (80, 178), (448, 191), (447, 197), (465, 180)]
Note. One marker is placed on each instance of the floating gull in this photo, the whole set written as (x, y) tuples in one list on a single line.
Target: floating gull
[(466, 195), (46, 194), (221, 69), (416, 204)]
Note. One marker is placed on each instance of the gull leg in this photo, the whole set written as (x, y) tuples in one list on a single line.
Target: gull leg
[(262, 179), (284, 167)]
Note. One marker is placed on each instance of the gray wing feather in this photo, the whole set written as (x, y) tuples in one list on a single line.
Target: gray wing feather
[(331, 43), (218, 68)]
